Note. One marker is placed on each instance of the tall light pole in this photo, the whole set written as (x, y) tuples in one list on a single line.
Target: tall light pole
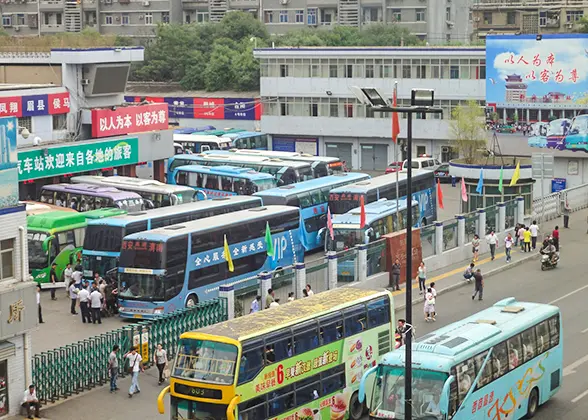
[(421, 101)]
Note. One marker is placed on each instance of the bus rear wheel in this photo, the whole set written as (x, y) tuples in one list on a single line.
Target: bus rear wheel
[(533, 403), (191, 301), (356, 409)]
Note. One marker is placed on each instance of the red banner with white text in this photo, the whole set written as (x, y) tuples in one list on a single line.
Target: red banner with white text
[(130, 119)]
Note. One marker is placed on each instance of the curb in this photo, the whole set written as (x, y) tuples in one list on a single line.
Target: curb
[(489, 273)]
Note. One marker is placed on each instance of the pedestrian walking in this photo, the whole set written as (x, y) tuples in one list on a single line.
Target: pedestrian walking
[(30, 401), (135, 365), (527, 240), (508, 243), (96, 304), (84, 298), (113, 367), (67, 276), (396, 275), (39, 304), (429, 306), (469, 272), (255, 305), (522, 237), (160, 360), (433, 290), (476, 247), (555, 237), (97, 279), (566, 214), (422, 277), (492, 240), (309, 290), (269, 298), (479, 285), (534, 229), (73, 295), (53, 280), (516, 234)]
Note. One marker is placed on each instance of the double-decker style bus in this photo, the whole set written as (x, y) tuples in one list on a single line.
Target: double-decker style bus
[(57, 237), (178, 266), (85, 197), (381, 217), (104, 236), (346, 198), (155, 194), (320, 165), (247, 140), (192, 143), (312, 198), (501, 363), (286, 172), (301, 360), (221, 181)]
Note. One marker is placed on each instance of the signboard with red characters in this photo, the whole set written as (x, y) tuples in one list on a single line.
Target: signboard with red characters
[(130, 119)]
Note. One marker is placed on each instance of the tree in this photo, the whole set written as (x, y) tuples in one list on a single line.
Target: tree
[(219, 73), (240, 25), (469, 130)]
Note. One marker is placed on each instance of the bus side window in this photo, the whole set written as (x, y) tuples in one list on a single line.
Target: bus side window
[(378, 312), (253, 409), (499, 360), (252, 361), (79, 235), (316, 197), (278, 346), (182, 178), (281, 400), (66, 239), (486, 376), (288, 177), (453, 402), (334, 379), (308, 390), (305, 337), (542, 331), (47, 197), (227, 183), (515, 352), (465, 377), (331, 328), (355, 320), (305, 200), (554, 330), (263, 142), (529, 344)]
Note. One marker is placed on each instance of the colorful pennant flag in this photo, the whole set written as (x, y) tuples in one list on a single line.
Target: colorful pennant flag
[(464, 195), (362, 212), (330, 224), (516, 175), (269, 244), (395, 122), (228, 257), (480, 186), (439, 194)]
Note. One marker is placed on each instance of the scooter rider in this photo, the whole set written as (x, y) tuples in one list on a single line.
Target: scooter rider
[(550, 250)]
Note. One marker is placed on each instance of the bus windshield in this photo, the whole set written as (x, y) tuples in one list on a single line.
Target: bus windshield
[(342, 203), (263, 184), (305, 174), (206, 361), (185, 409), (183, 197), (142, 287), (37, 256), (345, 239), (388, 396)]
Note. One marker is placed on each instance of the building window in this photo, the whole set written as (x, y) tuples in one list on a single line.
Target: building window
[(574, 15), (369, 71), (46, 18), (421, 150), (149, 18), (108, 19), (334, 110), (268, 16), (348, 71), (470, 16), (299, 16), (333, 70), (58, 18), (314, 70), (60, 122), (20, 19), (124, 19), (454, 72), (487, 18), (25, 122), (396, 15), (7, 256), (448, 14), (421, 72), (6, 20), (283, 109), (283, 16), (510, 18), (311, 16), (284, 70), (420, 15), (406, 73), (314, 110), (348, 110), (448, 38), (201, 17), (165, 17)]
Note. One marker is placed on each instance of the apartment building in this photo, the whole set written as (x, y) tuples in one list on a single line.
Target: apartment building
[(436, 21), (307, 98), (526, 16)]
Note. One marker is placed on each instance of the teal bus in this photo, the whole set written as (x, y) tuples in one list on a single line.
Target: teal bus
[(501, 363)]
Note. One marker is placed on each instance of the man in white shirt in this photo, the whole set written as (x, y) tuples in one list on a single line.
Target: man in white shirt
[(275, 303), (84, 297), (77, 277), (67, 276), (39, 304), (30, 400), (135, 363), (255, 304), (534, 229), (96, 304), (492, 240)]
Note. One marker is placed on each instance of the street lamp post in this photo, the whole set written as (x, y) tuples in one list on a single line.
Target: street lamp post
[(421, 101)]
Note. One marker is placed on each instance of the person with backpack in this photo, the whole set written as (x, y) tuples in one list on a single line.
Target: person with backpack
[(134, 366), (469, 273)]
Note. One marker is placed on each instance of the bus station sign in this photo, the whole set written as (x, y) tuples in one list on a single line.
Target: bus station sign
[(130, 119), (56, 161)]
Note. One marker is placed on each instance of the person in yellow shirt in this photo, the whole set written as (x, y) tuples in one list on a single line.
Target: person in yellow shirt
[(527, 240)]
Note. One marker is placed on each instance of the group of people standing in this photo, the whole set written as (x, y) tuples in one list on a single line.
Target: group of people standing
[(91, 299), (271, 301)]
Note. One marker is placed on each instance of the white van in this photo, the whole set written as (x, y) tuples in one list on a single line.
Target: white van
[(423, 162)]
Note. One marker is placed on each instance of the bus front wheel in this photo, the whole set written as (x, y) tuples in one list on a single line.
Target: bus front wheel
[(533, 403), (191, 301), (356, 409)]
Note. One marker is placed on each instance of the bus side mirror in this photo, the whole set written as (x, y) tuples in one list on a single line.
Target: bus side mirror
[(148, 204), (368, 235), (200, 195), (444, 399), (366, 384), (46, 243)]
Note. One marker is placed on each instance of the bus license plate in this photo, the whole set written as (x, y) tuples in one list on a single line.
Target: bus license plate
[(137, 316), (345, 273)]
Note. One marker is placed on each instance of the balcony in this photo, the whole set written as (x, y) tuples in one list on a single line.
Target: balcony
[(51, 29), (51, 6), (525, 4)]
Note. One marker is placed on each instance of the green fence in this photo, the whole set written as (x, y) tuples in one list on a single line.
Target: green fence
[(77, 367)]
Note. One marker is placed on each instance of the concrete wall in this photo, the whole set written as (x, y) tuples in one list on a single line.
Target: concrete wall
[(219, 124), (9, 224), (31, 74)]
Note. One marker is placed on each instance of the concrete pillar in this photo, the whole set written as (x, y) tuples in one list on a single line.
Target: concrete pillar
[(501, 220), (504, 115), (461, 236), (228, 292), (520, 216), (300, 279), (527, 116), (438, 238), (265, 283), (481, 223), (159, 170), (332, 270), (362, 262), (539, 115), (132, 171)]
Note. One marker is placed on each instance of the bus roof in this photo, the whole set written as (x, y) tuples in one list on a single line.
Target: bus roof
[(281, 155), (313, 184), (380, 181), (190, 138), (138, 216), (226, 170), (89, 189), (373, 211), (218, 132), (56, 220), (147, 185), (441, 349), (190, 130), (34, 208), (242, 134), (288, 314), (208, 223), (220, 157)]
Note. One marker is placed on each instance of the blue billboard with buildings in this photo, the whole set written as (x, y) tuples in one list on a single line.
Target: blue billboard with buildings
[(8, 162)]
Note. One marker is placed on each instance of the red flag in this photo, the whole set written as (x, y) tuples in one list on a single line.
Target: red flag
[(330, 224), (464, 195), (395, 123), (362, 214), (439, 194)]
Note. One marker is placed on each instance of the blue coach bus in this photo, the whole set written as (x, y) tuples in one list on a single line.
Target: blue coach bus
[(501, 363), (312, 198), (346, 198), (247, 140), (221, 181), (178, 266), (103, 238)]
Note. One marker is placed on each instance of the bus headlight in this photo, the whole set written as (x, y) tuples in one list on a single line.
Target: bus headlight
[(158, 311)]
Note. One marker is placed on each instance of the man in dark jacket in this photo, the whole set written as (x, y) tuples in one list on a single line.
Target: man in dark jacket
[(479, 285)]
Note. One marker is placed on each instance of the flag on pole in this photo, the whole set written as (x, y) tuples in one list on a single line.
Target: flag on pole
[(227, 253), (516, 175), (330, 224), (500, 188), (269, 244), (362, 212), (480, 186), (464, 195), (395, 122), (439, 194)]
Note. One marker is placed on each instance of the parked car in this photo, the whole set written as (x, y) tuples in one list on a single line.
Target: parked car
[(442, 173), (394, 167), (423, 162)]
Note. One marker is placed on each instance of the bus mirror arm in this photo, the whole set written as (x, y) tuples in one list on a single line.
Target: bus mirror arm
[(205, 197), (477, 379), (368, 233), (232, 406), (46, 242), (361, 393), (444, 399), (160, 403)]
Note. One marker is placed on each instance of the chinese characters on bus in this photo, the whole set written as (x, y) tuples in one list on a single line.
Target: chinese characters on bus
[(543, 69), (236, 251), (143, 246)]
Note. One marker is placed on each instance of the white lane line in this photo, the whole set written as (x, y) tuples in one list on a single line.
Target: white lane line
[(579, 397), (584, 331), (568, 370), (568, 295)]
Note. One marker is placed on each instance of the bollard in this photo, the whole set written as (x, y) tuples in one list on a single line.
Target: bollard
[(362, 263), (332, 270), (265, 283), (501, 220), (461, 236), (438, 238), (520, 210), (300, 281), (228, 292)]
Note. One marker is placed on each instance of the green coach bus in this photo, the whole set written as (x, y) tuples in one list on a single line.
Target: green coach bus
[(58, 237)]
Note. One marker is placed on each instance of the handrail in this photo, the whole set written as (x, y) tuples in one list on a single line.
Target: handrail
[(161, 396)]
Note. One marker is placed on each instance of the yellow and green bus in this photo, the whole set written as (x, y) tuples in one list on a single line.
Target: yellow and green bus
[(300, 361)]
